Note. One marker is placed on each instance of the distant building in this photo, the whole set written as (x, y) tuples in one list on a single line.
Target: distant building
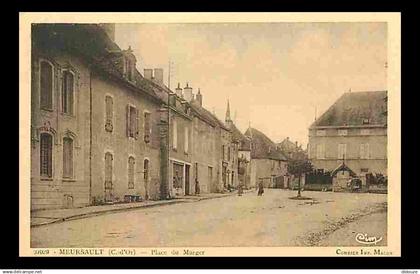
[(268, 164), (354, 131), (242, 150), (292, 150)]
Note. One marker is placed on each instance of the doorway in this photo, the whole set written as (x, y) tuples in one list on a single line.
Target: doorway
[(146, 179), (187, 180)]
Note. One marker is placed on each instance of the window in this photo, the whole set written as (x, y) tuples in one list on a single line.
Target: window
[(320, 151), (174, 134), (46, 155), (364, 151), (131, 163), (320, 132), (108, 170), (132, 122), (223, 152), (342, 151), (46, 85), (67, 157), (129, 69), (364, 170), (342, 132), (210, 174), (365, 121), (228, 153), (147, 128), (186, 140), (67, 91), (109, 113)]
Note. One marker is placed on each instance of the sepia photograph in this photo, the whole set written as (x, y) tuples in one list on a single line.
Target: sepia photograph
[(207, 136)]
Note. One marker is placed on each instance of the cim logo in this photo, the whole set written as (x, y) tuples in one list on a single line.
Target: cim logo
[(367, 240)]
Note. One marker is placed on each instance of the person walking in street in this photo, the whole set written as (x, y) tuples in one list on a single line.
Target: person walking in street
[(197, 187), (240, 190), (260, 189)]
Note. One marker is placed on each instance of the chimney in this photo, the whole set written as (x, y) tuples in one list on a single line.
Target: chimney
[(148, 74), (199, 98), (188, 93), (158, 75), (109, 30), (178, 91)]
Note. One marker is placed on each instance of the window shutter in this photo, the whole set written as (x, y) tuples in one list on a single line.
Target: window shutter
[(137, 125), (128, 120), (147, 128)]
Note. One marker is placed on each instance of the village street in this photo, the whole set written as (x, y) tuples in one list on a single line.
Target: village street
[(271, 220)]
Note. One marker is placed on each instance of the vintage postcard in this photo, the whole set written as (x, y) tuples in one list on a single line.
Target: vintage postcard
[(210, 134)]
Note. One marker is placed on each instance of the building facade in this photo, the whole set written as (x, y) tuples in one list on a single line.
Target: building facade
[(268, 164), (101, 132), (354, 131)]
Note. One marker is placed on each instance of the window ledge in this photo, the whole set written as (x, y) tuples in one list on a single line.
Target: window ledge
[(69, 180), (46, 179)]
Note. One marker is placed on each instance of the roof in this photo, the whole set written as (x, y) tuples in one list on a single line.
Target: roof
[(262, 147), (245, 142), (91, 42), (207, 116), (342, 167), (352, 108)]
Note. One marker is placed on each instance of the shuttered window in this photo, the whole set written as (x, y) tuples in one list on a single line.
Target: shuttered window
[(342, 151), (147, 127), (67, 157), (109, 113), (131, 163), (174, 134), (46, 155), (108, 170), (364, 151), (186, 139), (132, 122), (46, 85), (67, 91), (320, 151)]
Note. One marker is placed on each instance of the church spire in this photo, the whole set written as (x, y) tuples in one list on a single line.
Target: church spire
[(227, 118)]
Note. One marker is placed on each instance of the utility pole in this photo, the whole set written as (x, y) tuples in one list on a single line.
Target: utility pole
[(169, 73)]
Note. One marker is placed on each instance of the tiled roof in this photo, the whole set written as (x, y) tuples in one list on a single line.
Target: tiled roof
[(352, 108), (262, 146), (245, 142), (207, 115), (91, 42)]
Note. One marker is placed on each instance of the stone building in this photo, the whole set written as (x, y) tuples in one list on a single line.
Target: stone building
[(292, 150), (242, 149), (94, 120), (101, 132), (354, 131), (268, 164)]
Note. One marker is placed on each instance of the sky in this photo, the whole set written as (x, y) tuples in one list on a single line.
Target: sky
[(277, 76)]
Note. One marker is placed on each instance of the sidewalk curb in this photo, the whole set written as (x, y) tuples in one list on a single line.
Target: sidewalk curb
[(114, 210)]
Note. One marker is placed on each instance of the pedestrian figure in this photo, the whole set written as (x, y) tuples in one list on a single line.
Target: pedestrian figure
[(197, 187), (240, 190), (260, 189)]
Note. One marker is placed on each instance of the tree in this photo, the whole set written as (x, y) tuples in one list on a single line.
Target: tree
[(299, 167)]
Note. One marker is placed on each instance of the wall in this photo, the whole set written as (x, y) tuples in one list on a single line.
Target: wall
[(178, 154), (50, 192), (204, 154), (377, 140), (266, 169), (120, 145)]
